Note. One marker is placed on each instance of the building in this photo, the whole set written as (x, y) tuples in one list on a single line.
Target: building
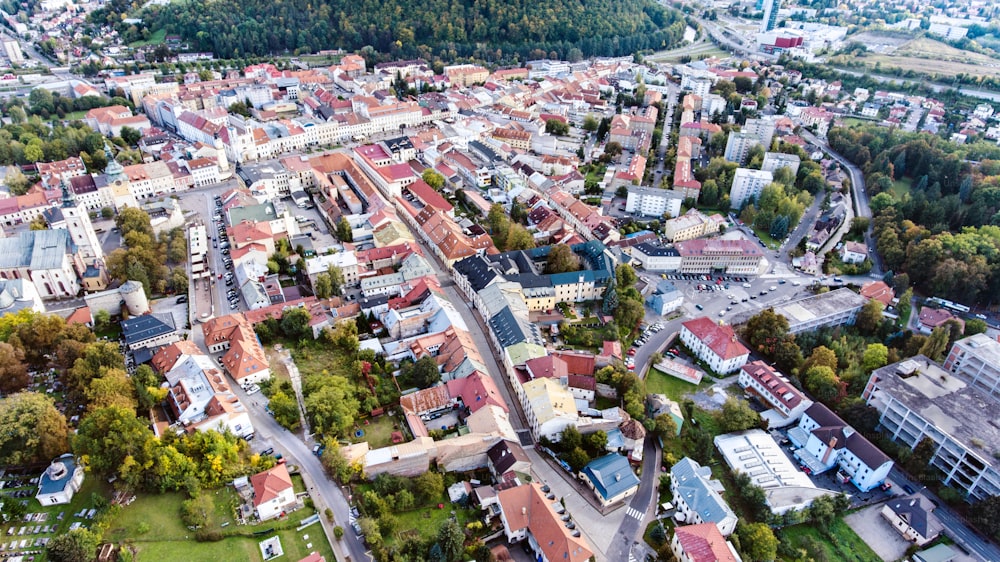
[(273, 492), (719, 257), (506, 459), (549, 408), (738, 146), (770, 20), (917, 399), (912, 517), (879, 291), (774, 161), (714, 344), (827, 441), (698, 498), (930, 318), (834, 308), (976, 361), (854, 252), (149, 330), (12, 50), (611, 478), (702, 543), (653, 202), (46, 257), (692, 224), (652, 257), (527, 514), (774, 390), (665, 299), (756, 454), (747, 186), (60, 481)]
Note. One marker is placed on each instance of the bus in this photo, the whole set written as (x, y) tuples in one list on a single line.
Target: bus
[(952, 306)]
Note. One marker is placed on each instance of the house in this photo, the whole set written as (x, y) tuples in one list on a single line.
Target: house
[(527, 514), (60, 481), (714, 344), (854, 252), (273, 492), (658, 404), (879, 291), (702, 543), (505, 459), (825, 441), (761, 380), (149, 330), (611, 478), (698, 498), (665, 299), (549, 407), (633, 438), (912, 517), (931, 318)]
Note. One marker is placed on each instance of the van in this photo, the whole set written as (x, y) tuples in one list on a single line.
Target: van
[(699, 307)]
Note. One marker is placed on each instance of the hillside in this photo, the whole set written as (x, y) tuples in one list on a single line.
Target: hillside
[(494, 30)]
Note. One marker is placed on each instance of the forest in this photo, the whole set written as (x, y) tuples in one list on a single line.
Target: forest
[(936, 208), (490, 30)]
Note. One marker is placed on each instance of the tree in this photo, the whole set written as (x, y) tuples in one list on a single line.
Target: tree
[(985, 515), (612, 150), (869, 317), (765, 330), (344, 232), (295, 323), (737, 415), (16, 182), (332, 407), (34, 430), (823, 383), (936, 343), (197, 511), (323, 286), (905, 303), (451, 539), (561, 259), (424, 373), (876, 356), (590, 123), (285, 410), (628, 314), (240, 108), (432, 178), (110, 436), (147, 389), (336, 280), (518, 238), (77, 545), (13, 372), (821, 356), (428, 486), (665, 427), (975, 326), (757, 541), (112, 388), (130, 136), (556, 127)]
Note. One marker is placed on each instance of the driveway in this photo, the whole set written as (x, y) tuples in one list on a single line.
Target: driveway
[(877, 533)]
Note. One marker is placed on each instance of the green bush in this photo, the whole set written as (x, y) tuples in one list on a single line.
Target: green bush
[(208, 535)]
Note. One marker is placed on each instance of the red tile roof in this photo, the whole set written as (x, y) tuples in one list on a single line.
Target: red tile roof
[(704, 543), (720, 339), (270, 484)]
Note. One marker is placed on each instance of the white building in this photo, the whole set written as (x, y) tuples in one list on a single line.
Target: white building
[(698, 498), (656, 258), (273, 492), (714, 344), (835, 308), (653, 202), (60, 481), (774, 161), (747, 186), (773, 389), (976, 360), (549, 408), (738, 146)]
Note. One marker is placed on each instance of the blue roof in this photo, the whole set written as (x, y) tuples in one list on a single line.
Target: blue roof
[(147, 326), (636, 234), (693, 485), (611, 475), (615, 439), (48, 485)]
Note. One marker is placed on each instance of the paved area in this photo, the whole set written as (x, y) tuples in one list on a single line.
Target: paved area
[(877, 533)]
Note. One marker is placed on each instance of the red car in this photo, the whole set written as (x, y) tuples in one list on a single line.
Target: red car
[(631, 351)]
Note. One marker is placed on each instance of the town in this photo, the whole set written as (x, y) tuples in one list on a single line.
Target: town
[(729, 301)]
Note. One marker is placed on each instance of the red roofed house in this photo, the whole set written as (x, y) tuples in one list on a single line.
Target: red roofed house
[(714, 344), (774, 390), (702, 543), (476, 390), (527, 514), (273, 492), (931, 318), (878, 290)]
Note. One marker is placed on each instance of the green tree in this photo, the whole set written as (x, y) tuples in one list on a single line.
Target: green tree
[(240, 108), (765, 331), (285, 409), (876, 356), (823, 383), (332, 407), (665, 427), (518, 238), (424, 373), (936, 343), (561, 259), (869, 317), (757, 542), (432, 178), (323, 286), (556, 127), (77, 545), (344, 232), (107, 455), (197, 511), (737, 415), (13, 372), (975, 326), (590, 123), (821, 356), (295, 323), (130, 136), (429, 486), (451, 539), (34, 430)]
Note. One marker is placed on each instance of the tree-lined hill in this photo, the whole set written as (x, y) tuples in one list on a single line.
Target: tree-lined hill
[(495, 30)]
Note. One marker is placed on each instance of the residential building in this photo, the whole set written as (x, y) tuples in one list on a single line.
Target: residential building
[(698, 498), (657, 404), (761, 380), (273, 492), (60, 481), (506, 459), (549, 408), (835, 308), (702, 543), (527, 514), (747, 186), (665, 299), (930, 318), (761, 129), (854, 252), (717, 256), (917, 399), (714, 344), (976, 361), (912, 517), (770, 20), (826, 441), (611, 478), (692, 224), (774, 161), (653, 202), (46, 257), (738, 146), (879, 291)]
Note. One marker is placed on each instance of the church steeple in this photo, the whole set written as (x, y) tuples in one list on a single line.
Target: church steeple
[(68, 199), (114, 170)]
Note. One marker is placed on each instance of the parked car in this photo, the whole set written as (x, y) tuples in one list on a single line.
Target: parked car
[(254, 389), (267, 451)]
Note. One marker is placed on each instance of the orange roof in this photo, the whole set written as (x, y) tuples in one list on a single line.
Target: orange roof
[(425, 400), (165, 359), (878, 290), (525, 507), (477, 390), (704, 543), (81, 315), (720, 339), (270, 484)]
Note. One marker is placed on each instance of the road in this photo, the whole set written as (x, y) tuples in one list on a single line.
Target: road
[(642, 506), (859, 195), (954, 526)]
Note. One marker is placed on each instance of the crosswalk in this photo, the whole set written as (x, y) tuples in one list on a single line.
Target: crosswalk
[(633, 512)]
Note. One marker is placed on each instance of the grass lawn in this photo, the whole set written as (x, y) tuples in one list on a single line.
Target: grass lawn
[(658, 382), (312, 358), (75, 115), (846, 546), (378, 431), (426, 521), (155, 38), (765, 237), (900, 188), (166, 537)]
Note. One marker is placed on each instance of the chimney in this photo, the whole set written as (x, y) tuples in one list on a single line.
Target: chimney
[(524, 510), (829, 450)]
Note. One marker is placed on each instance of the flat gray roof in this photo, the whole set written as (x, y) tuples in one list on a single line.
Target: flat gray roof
[(944, 400), (820, 306)]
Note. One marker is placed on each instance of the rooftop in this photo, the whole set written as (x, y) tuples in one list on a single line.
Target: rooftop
[(819, 306), (704, 543), (148, 326), (611, 475)]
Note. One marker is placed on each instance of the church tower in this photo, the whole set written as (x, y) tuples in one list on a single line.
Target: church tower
[(81, 230)]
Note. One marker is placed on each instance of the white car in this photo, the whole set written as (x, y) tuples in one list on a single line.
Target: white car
[(746, 285), (254, 389)]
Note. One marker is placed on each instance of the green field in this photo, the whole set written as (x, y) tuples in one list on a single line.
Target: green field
[(155, 38), (658, 382), (75, 115), (153, 526), (900, 188), (846, 544)]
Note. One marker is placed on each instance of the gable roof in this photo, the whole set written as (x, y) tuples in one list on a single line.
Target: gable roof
[(693, 483), (270, 484), (720, 339), (916, 511), (145, 327), (526, 507), (611, 475), (477, 390), (704, 543), (505, 454)]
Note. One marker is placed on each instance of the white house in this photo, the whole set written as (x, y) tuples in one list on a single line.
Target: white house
[(912, 517), (60, 481), (698, 498), (714, 344), (273, 492)]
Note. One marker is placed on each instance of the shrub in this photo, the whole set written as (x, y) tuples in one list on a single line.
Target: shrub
[(208, 535)]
